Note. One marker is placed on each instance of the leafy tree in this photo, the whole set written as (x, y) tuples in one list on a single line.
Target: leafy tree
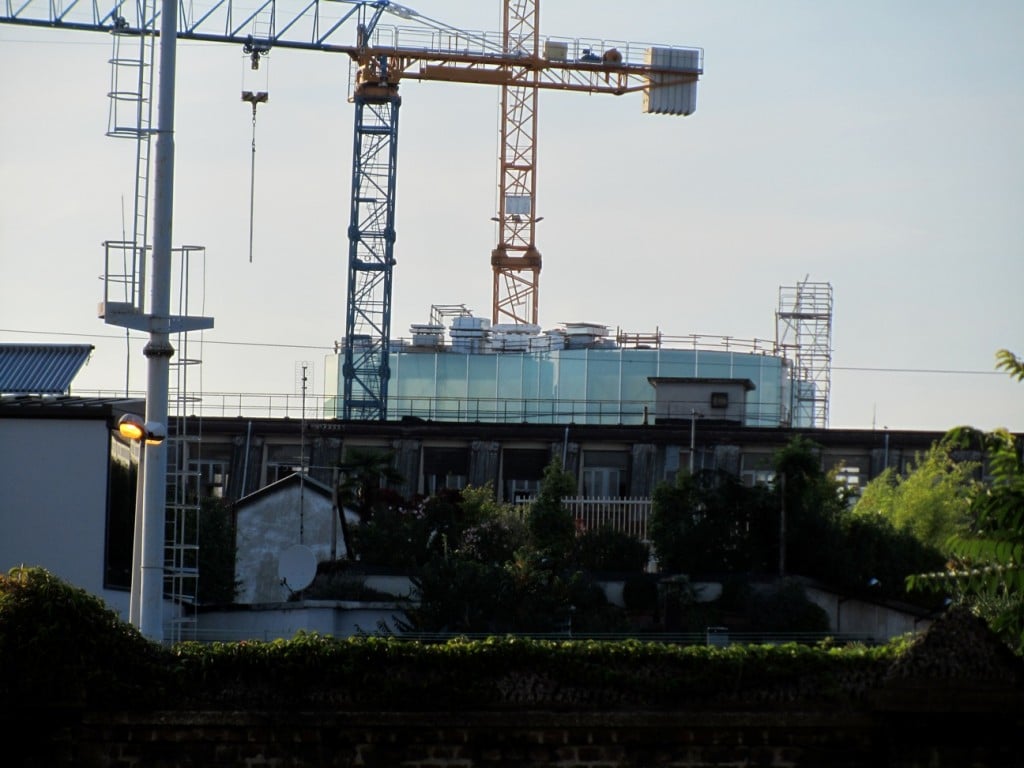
[(365, 476), (494, 530), (931, 501), (814, 504), (552, 527), (987, 569), (711, 522), (673, 509), (395, 536), (217, 583)]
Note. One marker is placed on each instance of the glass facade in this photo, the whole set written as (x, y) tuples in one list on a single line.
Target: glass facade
[(581, 386)]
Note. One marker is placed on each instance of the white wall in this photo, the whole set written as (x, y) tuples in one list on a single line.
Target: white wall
[(53, 500), (337, 618), (269, 525)]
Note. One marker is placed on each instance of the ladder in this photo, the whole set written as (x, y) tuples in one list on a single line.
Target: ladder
[(130, 116)]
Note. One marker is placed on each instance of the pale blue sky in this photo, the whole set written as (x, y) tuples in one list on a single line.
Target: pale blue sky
[(873, 145)]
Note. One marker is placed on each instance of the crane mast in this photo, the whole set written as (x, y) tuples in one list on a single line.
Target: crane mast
[(518, 61), (515, 261), (371, 233)]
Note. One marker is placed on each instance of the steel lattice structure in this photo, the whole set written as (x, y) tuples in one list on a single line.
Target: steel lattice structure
[(518, 60)]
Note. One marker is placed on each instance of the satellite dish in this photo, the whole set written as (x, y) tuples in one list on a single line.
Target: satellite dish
[(296, 567)]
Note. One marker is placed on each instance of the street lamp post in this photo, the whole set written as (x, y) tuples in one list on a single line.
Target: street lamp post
[(151, 506), (145, 434)]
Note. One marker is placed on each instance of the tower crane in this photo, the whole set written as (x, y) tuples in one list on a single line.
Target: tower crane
[(518, 60)]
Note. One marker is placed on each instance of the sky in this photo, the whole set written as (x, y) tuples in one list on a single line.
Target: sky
[(871, 145)]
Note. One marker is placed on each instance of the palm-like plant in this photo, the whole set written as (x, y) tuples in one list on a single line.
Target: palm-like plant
[(987, 565)]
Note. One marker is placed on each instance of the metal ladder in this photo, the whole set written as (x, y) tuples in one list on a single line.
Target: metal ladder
[(130, 116)]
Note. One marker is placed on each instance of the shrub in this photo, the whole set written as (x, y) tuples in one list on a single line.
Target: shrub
[(606, 549), (60, 646), (640, 593)]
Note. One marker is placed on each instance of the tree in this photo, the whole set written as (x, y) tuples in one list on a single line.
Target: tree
[(217, 583), (987, 569), (931, 501), (552, 527), (365, 473), (711, 522), (813, 504)]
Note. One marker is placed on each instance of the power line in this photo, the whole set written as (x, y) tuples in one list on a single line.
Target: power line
[(331, 348), (867, 369), (205, 341)]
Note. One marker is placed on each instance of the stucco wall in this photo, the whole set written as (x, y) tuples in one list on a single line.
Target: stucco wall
[(53, 500), (270, 524)]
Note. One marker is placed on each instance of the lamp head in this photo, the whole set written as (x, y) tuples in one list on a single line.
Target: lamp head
[(132, 427), (156, 433)]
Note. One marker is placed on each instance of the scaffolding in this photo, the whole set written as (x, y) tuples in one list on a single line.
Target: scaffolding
[(803, 334)]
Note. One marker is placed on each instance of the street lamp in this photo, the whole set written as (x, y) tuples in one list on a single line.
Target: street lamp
[(146, 549), (134, 428)]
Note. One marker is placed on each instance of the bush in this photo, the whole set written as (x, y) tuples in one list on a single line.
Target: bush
[(640, 593), (60, 646), (786, 608), (606, 549)]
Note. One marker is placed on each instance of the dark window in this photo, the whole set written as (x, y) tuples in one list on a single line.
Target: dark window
[(121, 489), (445, 468), (285, 460), (719, 399), (522, 469)]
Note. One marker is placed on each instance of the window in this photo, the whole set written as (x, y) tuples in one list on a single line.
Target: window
[(282, 461), (522, 470), (719, 399), (605, 473), (445, 468), (212, 477), (757, 469), (120, 530), (850, 471)]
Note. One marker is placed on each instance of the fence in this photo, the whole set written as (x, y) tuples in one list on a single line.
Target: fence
[(626, 515)]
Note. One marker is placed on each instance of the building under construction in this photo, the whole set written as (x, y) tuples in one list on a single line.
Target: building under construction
[(459, 367)]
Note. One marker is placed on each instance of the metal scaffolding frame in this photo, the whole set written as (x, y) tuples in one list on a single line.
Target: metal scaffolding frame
[(803, 333)]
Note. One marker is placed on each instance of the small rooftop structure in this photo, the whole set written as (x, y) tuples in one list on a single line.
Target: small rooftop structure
[(40, 369)]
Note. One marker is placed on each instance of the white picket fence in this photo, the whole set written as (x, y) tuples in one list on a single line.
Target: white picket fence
[(628, 515)]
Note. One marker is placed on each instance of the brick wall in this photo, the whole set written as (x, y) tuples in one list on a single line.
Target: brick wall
[(903, 738)]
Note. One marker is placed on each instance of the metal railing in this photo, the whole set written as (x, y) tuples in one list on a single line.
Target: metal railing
[(490, 410), (623, 515)]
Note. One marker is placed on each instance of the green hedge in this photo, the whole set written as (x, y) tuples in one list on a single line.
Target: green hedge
[(61, 647)]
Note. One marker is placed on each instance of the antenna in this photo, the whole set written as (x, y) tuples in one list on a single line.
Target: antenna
[(300, 369)]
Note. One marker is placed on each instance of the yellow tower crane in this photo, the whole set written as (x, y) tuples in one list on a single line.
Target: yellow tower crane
[(523, 64)]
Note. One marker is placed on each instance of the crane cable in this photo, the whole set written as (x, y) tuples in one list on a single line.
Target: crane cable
[(257, 97), (253, 52)]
